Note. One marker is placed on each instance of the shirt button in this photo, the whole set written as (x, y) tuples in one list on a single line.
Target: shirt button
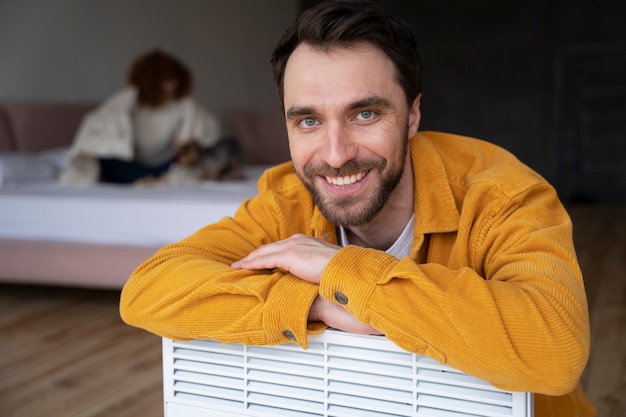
[(325, 235), (289, 335), (341, 298)]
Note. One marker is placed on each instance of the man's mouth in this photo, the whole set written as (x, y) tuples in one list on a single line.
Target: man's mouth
[(346, 180)]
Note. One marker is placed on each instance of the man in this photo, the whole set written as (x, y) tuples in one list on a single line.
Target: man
[(448, 246)]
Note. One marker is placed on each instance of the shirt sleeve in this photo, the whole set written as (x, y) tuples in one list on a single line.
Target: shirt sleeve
[(504, 302), (188, 290)]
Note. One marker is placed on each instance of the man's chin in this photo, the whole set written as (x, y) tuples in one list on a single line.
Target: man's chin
[(349, 211), (347, 216)]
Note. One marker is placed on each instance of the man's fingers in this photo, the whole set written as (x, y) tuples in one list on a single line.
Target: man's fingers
[(254, 260)]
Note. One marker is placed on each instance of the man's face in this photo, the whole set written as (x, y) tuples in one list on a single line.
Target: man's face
[(349, 127)]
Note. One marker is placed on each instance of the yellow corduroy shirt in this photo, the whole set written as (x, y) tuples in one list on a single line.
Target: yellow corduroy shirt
[(492, 286)]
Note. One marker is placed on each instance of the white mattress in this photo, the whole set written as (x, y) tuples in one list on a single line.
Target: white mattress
[(142, 215)]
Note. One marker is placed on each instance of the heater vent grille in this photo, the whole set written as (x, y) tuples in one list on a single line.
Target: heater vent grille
[(340, 375)]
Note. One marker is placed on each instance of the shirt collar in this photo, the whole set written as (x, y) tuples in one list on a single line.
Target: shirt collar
[(434, 204)]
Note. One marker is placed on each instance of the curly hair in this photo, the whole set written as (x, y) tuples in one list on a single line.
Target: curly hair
[(148, 72)]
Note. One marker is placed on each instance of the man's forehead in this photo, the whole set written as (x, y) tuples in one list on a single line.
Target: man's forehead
[(336, 49), (346, 74)]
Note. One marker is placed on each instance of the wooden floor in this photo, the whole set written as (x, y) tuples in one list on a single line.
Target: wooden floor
[(600, 236), (66, 353)]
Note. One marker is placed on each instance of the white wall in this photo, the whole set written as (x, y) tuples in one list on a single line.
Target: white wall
[(77, 50)]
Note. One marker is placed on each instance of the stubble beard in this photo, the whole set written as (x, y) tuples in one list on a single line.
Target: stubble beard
[(355, 210)]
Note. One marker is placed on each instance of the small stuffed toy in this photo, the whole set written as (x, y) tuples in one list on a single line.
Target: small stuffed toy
[(222, 161)]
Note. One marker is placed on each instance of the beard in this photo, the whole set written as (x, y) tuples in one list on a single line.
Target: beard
[(359, 209)]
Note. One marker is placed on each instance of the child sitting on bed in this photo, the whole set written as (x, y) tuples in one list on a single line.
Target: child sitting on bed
[(137, 132)]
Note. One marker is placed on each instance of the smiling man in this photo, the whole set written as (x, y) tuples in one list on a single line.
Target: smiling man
[(349, 127), (447, 245)]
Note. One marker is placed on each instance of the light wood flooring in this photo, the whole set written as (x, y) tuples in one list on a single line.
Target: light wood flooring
[(66, 353)]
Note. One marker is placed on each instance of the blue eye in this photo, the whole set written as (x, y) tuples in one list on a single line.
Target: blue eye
[(366, 115), (308, 122)]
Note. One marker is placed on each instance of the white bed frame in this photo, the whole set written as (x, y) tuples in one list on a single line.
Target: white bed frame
[(340, 375)]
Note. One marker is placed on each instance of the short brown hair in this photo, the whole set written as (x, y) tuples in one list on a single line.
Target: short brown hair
[(343, 23), (149, 70)]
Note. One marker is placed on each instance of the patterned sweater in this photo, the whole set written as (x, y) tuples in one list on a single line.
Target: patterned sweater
[(492, 286)]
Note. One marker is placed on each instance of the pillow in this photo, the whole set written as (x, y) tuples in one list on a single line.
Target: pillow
[(18, 167), (262, 135)]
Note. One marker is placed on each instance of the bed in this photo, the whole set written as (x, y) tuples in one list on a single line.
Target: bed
[(94, 236)]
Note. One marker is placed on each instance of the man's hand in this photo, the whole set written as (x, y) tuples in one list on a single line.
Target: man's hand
[(304, 256), (337, 317)]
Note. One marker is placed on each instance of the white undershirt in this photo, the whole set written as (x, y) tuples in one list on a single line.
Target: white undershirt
[(401, 247), (154, 130)]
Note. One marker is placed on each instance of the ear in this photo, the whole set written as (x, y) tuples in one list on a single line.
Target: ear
[(415, 116)]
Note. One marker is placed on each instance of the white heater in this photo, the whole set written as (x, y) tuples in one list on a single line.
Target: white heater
[(340, 375)]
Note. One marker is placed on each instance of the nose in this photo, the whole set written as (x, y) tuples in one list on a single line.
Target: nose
[(339, 147)]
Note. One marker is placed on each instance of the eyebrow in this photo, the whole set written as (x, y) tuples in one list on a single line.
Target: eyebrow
[(295, 112), (373, 101)]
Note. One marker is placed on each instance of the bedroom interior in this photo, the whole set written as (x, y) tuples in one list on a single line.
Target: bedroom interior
[(526, 75)]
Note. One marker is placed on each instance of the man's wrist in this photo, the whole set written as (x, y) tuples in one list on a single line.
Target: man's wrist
[(315, 312)]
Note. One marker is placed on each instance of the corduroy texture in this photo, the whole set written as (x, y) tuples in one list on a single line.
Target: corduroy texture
[(492, 286)]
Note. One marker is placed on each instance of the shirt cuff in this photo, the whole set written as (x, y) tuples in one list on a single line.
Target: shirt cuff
[(352, 276), (287, 310)]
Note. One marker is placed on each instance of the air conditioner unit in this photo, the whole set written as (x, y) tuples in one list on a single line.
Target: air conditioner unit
[(340, 375)]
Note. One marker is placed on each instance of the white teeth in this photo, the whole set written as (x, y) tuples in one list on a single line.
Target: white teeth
[(347, 180)]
